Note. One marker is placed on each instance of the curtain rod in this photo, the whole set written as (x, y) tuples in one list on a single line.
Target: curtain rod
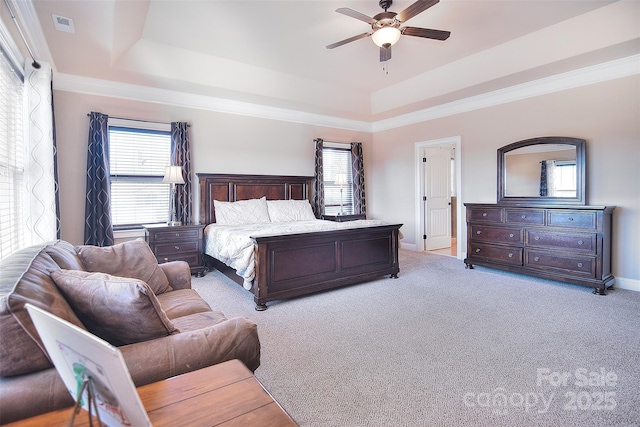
[(137, 120), (337, 142), (35, 64)]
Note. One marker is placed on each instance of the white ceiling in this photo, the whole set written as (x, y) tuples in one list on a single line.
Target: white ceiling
[(273, 52)]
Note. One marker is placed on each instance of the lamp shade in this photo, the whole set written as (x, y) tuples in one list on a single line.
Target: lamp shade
[(173, 175), (341, 179), (386, 35)]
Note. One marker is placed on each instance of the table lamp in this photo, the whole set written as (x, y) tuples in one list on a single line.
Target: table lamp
[(173, 176), (341, 179)]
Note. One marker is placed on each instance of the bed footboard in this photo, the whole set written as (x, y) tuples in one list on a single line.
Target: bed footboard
[(294, 265)]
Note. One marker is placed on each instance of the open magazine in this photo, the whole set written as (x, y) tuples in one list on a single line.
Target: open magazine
[(93, 371)]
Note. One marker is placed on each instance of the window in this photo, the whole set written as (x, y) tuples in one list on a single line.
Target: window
[(12, 157), (138, 158), (338, 199), (565, 179)]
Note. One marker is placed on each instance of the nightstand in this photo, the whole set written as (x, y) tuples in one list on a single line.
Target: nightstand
[(344, 218), (177, 243)]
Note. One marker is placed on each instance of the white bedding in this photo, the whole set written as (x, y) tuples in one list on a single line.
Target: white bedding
[(232, 244)]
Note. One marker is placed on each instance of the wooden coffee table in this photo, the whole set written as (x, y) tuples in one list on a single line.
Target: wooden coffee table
[(220, 395)]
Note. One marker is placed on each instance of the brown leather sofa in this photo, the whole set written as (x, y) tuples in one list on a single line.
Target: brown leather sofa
[(177, 333)]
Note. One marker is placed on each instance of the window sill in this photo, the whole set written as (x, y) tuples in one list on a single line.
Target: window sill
[(128, 234)]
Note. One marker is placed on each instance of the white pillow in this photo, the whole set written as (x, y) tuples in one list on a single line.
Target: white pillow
[(253, 211), (290, 210)]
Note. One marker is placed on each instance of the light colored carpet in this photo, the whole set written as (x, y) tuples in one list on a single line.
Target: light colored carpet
[(446, 346)]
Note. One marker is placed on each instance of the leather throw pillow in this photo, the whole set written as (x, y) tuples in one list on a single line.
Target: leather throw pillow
[(119, 310), (129, 259)]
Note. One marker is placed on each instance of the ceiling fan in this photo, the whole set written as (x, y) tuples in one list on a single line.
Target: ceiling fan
[(386, 26)]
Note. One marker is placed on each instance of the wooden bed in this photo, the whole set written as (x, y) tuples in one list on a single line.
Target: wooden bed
[(299, 264)]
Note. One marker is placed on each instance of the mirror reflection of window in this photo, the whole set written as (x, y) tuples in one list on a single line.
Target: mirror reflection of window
[(523, 177), (564, 179)]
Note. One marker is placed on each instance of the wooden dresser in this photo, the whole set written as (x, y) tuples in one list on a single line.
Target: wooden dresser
[(567, 243), (177, 242)]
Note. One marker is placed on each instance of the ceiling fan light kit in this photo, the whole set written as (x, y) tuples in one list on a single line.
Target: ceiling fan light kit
[(386, 36), (386, 26)]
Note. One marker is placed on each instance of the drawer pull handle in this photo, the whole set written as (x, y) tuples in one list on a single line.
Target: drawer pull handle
[(523, 216), (177, 234), (484, 214), (510, 255), (177, 247), (536, 258), (570, 219), (537, 238), (479, 232), (580, 242), (580, 264), (511, 234), (477, 251)]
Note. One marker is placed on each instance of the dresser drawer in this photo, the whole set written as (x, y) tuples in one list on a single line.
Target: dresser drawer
[(486, 215), (525, 216), (503, 254), (176, 248), (559, 261), (579, 242), (572, 219), (174, 235), (496, 234)]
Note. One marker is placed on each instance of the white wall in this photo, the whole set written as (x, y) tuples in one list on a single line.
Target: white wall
[(605, 114), (220, 143)]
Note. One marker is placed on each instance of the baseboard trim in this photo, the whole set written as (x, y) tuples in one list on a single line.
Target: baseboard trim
[(409, 246), (628, 284)]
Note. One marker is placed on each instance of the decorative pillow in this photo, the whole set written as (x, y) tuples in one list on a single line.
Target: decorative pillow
[(290, 210), (252, 211), (133, 259), (119, 310)]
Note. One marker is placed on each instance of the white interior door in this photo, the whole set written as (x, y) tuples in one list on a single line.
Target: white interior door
[(437, 197)]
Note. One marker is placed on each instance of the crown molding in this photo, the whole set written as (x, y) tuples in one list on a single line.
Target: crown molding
[(92, 86), (585, 76), (582, 77), (27, 14)]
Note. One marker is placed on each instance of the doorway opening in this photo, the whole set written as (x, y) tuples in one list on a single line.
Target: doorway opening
[(438, 208)]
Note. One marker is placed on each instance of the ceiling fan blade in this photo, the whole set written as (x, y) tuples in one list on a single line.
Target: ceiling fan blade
[(425, 33), (354, 14), (385, 54), (416, 8), (349, 40)]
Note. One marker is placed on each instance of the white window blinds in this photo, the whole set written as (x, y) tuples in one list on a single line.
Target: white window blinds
[(338, 199), (12, 156), (138, 160)]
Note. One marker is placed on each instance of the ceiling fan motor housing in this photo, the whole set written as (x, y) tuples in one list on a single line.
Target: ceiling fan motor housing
[(385, 19)]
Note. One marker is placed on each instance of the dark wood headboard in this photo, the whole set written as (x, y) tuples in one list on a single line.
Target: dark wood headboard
[(231, 188)]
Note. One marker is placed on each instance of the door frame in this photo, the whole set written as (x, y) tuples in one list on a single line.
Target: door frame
[(456, 143)]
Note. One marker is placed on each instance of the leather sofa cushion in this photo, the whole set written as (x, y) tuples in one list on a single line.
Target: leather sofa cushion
[(64, 255), (182, 302), (129, 259), (119, 310), (24, 278), (193, 322)]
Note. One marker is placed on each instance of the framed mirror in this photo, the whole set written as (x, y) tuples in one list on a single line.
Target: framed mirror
[(548, 170)]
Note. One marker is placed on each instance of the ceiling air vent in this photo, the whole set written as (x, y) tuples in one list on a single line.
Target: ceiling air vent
[(63, 24)]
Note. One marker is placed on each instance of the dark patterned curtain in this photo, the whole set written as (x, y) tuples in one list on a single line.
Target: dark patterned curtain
[(55, 164), (357, 170), (318, 185), (544, 190), (181, 156), (98, 229)]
